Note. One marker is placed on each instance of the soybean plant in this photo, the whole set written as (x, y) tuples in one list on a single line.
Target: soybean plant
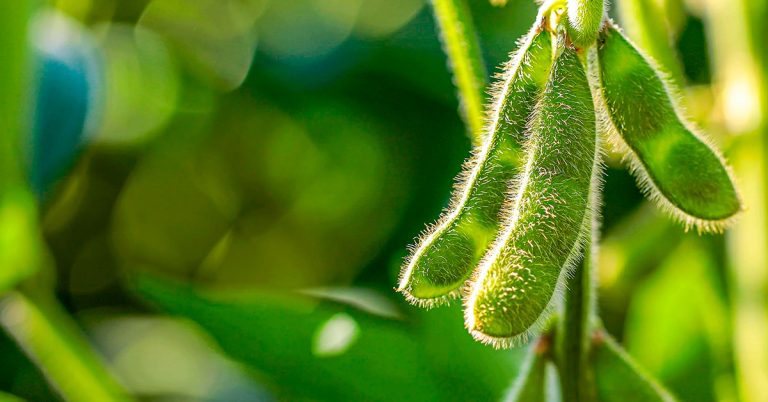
[(525, 210)]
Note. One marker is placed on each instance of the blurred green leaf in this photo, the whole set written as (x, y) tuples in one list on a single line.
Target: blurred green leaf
[(385, 360), (619, 379), (677, 323), (9, 398), (629, 253), (530, 385)]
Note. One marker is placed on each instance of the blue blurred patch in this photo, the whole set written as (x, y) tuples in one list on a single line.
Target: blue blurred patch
[(60, 112)]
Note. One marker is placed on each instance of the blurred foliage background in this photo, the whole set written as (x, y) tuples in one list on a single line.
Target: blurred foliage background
[(226, 190)]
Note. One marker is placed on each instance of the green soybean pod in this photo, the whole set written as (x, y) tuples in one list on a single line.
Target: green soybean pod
[(619, 379), (448, 252), (520, 278), (675, 166), (585, 18)]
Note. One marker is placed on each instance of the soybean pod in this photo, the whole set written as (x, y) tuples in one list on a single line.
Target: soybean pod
[(518, 280), (448, 252), (674, 165)]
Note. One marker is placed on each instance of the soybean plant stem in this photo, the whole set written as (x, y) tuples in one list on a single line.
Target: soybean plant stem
[(460, 43), (52, 340), (575, 326)]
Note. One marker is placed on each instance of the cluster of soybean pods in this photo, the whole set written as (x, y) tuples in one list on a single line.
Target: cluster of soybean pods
[(528, 197)]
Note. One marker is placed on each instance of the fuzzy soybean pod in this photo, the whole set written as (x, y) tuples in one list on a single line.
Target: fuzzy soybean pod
[(675, 166), (447, 253), (518, 280)]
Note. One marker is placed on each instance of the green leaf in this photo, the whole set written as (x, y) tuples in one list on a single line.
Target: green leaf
[(447, 254), (531, 383), (324, 352), (619, 379), (675, 166), (685, 346), (523, 274), (9, 398)]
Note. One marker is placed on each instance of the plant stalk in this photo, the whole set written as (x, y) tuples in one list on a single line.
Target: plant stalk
[(52, 340), (575, 326), (460, 44)]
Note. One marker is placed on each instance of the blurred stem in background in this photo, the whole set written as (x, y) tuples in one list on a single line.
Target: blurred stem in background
[(29, 311), (649, 25), (460, 43), (18, 231), (52, 340), (736, 45)]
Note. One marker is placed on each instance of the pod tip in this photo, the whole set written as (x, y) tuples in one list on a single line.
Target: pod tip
[(498, 342)]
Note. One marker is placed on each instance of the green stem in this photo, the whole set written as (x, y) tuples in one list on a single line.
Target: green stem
[(575, 326), (52, 340), (460, 43)]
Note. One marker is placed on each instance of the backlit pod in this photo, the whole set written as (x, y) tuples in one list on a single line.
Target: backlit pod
[(517, 282), (675, 166), (448, 252)]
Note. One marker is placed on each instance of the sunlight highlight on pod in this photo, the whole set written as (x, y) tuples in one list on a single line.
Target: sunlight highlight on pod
[(448, 253), (675, 166), (521, 276)]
